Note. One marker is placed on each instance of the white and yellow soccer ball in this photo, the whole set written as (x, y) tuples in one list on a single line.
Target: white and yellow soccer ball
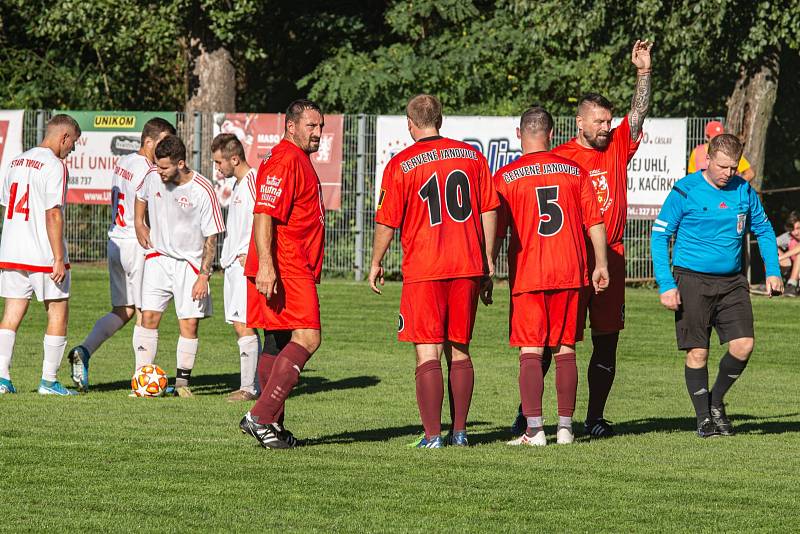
[(149, 381)]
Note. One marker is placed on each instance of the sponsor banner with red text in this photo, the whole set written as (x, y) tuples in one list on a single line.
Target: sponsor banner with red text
[(10, 136), (657, 165), (259, 132), (105, 136)]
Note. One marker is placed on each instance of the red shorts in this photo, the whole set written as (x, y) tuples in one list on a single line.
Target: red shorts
[(545, 318), (606, 309), (435, 311), (295, 306)]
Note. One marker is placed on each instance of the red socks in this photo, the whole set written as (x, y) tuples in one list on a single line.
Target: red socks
[(461, 381), (566, 383), (531, 383), (430, 395), (283, 377)]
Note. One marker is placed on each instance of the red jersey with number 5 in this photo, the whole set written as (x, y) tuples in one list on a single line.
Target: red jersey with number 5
[(435, 192), (34, 182), (608, 170), (548, 202)]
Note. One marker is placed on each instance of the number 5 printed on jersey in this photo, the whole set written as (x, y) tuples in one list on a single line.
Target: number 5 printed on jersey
[(551, 217)]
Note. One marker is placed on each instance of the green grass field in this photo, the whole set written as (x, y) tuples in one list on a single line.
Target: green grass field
[(104, 461)]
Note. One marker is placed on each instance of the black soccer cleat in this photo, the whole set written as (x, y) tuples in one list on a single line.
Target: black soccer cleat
[(706, 428), (598, 428), (520, 424), (269, 436), (721, 421)]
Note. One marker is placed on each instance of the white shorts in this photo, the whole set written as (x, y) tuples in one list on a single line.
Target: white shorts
[(235, 292), (166, 278), (125, 269), (19, 284)]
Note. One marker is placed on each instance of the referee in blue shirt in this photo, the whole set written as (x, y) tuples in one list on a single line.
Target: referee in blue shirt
[(708, 212)]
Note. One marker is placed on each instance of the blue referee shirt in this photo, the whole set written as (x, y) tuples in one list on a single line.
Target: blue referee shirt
[(708, 225)]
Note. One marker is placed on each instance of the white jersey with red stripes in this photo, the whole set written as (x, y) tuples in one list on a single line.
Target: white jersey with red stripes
[(240, 219), (129, 174), (34, 181), (181, 216)]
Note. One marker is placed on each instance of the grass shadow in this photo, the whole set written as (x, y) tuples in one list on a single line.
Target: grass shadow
[(742, 424), (218, 384)]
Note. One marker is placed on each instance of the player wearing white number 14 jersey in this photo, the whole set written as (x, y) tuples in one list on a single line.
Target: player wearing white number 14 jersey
[(125, 255), (33, 250)]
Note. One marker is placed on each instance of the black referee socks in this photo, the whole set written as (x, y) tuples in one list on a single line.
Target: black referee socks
[(730, 369), (697, 385)]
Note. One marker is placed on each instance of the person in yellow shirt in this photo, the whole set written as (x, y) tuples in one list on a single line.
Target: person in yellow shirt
[(698, 159)]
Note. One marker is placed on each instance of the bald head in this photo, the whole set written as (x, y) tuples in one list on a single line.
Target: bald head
[(425, 111)]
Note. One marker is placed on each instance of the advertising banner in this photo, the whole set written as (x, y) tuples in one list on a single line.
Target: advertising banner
[(10, 136), (106, 135), (259, 132), (659, 162), (656, 166)]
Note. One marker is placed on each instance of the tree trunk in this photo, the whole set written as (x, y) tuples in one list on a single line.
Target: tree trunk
[(750, 110), (215, 88)]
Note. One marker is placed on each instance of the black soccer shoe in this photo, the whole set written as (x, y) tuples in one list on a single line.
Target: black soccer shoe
[(520, 424), (269, 436), (598, 428), (706, 428), (721, 421)]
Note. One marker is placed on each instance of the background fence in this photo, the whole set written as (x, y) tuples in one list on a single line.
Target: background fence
[(349, 231)]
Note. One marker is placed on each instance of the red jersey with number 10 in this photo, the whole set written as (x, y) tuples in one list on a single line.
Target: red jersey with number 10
[(435, 191), (608, 170), (549, 204)]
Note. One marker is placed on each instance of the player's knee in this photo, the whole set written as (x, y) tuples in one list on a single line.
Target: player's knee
[(150, 319), (125, 313), (309, 339), (741, 348), (696, 358)]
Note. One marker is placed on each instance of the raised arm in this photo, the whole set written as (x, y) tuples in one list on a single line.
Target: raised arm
[(640, 103)]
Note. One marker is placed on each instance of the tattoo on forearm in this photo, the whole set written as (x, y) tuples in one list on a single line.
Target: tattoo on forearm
[(209, 251), (640, 105)]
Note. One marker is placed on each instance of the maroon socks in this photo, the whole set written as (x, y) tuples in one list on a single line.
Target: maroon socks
[(461, 381), (430, 395), (283, 377)]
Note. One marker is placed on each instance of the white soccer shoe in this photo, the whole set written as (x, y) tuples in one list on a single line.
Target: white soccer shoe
[(564, 436), (537, 440)]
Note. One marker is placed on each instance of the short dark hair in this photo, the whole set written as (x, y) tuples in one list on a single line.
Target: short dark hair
[(728, 144), (229, 145), (171, 147), (62, 119), (535, 120), (425, 111), (595, 99), (296, 109), (153, 128), (794, 218)]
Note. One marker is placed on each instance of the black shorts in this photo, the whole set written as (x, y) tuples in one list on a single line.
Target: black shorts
[(722, 302)]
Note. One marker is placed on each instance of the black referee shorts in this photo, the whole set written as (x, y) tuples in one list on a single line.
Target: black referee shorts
[(707, 301)]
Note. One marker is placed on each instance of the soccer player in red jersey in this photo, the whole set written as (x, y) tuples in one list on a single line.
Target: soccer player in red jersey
[(283, 266), (439, 193), (549, 204), (604, 153)]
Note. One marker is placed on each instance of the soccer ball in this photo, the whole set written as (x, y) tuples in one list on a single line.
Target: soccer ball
[(149, 381)]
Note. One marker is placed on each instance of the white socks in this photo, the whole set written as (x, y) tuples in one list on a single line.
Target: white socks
[(248, 352), (53, 353), (104, 328), (186, 353), (7, 339), (145, 345)]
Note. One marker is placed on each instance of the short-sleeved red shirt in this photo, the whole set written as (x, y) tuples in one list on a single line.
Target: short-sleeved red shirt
[(608, 170), (288, 189), (435, 192), (549, 204)]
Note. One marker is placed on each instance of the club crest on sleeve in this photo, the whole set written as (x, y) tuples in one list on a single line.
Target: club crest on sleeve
[(741, 219), (380, 200)]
